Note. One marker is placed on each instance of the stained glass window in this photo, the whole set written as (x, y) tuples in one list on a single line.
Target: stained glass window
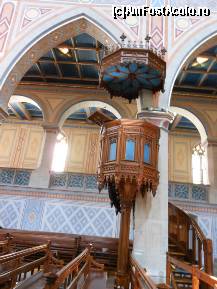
[(130, 150), (112, 150), (147, 153)]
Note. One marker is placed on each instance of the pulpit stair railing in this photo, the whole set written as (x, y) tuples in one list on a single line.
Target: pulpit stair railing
[(185, 232)]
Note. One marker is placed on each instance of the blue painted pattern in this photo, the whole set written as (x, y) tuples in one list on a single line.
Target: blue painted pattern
[(22, 178), (91, 182), (58, 180), (181, 191), (188, 191), (57, 215), (199, 193), (6, 176), (33, 213), (76, 181)]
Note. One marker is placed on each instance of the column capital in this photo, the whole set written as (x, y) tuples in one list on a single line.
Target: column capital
[(49, 128), (158, 116)]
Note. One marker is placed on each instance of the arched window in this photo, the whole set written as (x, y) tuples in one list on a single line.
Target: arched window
[(198, 164), (60, 152)]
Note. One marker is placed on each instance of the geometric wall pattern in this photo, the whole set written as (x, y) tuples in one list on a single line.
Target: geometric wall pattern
[(185, 191), (66, 216)]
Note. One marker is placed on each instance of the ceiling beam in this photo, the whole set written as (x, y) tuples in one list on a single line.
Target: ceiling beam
[(88, 113), (66, 78), (76, 59), (211, 88), (78, 47), (201, 72), (176, 121), (24, 110), (10, 105), (69, 62), (56, 64), (183, 72), (53, 84), (207, 72), (39, 69), (19, 110)]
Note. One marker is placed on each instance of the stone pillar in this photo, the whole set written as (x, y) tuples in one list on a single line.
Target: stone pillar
[(212, 170), (40, 178), (151, 213)]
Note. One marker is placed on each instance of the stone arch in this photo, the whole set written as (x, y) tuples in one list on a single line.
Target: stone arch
[(74, 24), (85, 104), (30, 99), (202, 38), (194, 119)]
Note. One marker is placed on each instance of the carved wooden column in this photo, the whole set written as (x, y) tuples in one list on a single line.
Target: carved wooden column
[(127, 191)]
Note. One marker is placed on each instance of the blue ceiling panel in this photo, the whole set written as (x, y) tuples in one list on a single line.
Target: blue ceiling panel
[(48, 69), (69, 70), (192, 79), (48, 56), (77, 64), (214, 67), (84, 40), (87, 55), (199, 75), (211, 80), (89, 71), (34, 70)]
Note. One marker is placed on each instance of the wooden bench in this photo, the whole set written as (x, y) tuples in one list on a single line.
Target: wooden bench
[(67, 246), (16, 267), (5, 246), (73, 275)]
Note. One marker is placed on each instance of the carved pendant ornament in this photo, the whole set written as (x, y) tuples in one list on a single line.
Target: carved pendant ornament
[(128, 164)]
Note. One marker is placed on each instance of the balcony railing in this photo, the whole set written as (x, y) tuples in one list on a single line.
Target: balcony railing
[(87, 183), (15, 177), (185, 191)]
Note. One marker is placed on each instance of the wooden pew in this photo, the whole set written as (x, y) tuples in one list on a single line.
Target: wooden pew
[(67, 246), (15, 267), (5, 247), (73, 275)]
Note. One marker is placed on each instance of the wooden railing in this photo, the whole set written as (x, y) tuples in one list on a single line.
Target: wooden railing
[(74, 274), (189, 238), (15, 267), (139, 279), (197, 275)]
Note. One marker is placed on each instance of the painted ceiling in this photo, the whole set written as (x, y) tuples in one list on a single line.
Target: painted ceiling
[(199, 74), (74, 62)]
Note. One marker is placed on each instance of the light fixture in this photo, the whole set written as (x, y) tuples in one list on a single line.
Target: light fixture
[(64, 50), (195, 63), (201, 59)]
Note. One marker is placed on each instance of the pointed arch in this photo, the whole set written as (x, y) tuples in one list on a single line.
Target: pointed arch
[(70, 25)]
